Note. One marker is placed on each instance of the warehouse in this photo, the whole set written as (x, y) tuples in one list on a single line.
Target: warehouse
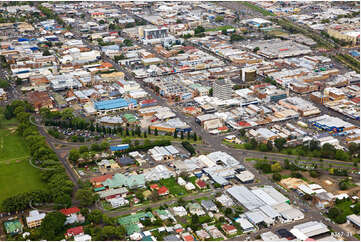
[(310, 229), (115, 104), (257, 217), (270, 212), (245, 177), (223, 158), (245, 197)]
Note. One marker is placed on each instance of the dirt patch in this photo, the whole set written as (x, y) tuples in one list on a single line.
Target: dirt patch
[(349, 228)]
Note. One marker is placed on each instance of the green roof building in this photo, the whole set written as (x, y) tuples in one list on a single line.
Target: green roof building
[(120, 180), (134, 218), (13, 227), (130, 118), (132, 228)]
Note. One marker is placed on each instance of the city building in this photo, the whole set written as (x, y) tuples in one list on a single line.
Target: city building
[(222, 89)]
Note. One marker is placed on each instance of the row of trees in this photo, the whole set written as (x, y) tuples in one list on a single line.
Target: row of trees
[(311, 149), (58, 182)]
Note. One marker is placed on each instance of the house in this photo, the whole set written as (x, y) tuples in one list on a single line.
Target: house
[(195, 208), (172, 237), (13, 227), (201, 184), (118, 202), (73, 215), (164, 214), (34, 219), (209, 206), (147, 194), (82, 237), (163, 191), (187, 237), (229, 229), (154, 187), (100, 179), (213, 231), (179, 211), (181, 181), (202, 234), (225, 200), (74, 232), (189, 186)]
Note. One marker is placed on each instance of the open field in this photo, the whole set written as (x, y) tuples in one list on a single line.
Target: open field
[(18, 177), (16, 174)]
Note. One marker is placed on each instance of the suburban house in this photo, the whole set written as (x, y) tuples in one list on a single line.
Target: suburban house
[(201, 184), (34, 219), (209, 206), (74, 232), (229, 229), (195, 208), (179, 211), (73, 215)]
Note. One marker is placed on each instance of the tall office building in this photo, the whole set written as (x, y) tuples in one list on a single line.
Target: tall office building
[(222, 89)]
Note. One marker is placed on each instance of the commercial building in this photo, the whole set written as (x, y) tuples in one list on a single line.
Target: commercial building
[(222, 89), (106, 106), (309, 230)]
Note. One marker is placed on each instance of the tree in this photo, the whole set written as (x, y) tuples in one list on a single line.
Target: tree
[(155, 196), (269, 145), (256, 49), (276, 177), (279, 143), (175, 134), (182, 135), (276, 167), (236, 37), (4, 84), (86, 197), (210, 92), (228, 212), (219, 19), (95, 216), (83, 149), (74, 155), (340, 219), (314, 173), (194, 136), (199, 29), (46, 52), (156, 132), (224, 31), (128, 42), (52, 225)]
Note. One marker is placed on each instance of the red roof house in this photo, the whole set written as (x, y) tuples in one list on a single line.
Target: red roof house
[(163, 191), (70, 211), (201, 184), (100, 179), (154, 187), (229, 229), (74, 231), (188, 237)]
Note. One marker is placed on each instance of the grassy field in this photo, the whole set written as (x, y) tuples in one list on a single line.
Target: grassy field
[(18, 177), (16, 174)]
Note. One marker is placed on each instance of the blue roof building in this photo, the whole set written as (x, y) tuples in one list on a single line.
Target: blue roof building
[(119, 147), (115, 104)]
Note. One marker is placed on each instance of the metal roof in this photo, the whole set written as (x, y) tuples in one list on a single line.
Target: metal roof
[(245, 197)]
